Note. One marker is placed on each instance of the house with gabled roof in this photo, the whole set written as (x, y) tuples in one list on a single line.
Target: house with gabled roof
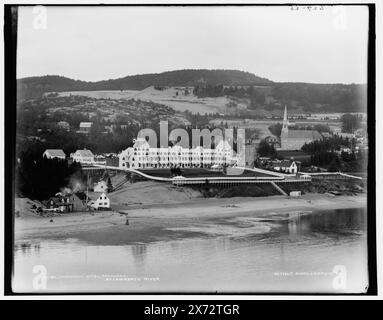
[(60, 204), (102, 202), (79, 201), (287, 166), (84, 156), (54, 153)]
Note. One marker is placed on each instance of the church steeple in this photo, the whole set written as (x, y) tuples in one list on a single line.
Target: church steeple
[(285, 125)]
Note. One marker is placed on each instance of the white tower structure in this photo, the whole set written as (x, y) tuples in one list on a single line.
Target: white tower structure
[(285, 124)]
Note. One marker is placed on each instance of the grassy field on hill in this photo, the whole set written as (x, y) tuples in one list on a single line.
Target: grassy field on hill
[(262, 95), (173, 97), (102, 94)]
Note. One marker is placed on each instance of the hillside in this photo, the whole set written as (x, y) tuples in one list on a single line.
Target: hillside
[(34, 87), (173, 97), (209, 91)]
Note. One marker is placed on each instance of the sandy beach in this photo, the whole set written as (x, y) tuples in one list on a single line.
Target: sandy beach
[(148, 223)]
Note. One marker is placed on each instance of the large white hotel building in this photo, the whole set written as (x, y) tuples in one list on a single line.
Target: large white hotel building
[(141, 155)]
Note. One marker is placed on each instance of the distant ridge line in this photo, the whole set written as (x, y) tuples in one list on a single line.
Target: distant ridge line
[(33, 87)]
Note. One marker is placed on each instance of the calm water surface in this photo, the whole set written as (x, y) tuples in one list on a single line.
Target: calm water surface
[(283, 253)]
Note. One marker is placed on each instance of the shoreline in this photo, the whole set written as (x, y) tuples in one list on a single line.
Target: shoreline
[(162, 222)]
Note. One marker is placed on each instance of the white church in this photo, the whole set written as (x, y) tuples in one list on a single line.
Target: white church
[(295, 139)]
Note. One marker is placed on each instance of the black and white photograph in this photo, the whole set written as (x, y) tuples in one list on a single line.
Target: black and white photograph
[(193, 149)]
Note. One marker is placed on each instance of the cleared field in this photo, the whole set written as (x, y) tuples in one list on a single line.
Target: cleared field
[(176, 98), (173, 97), (108, 94)]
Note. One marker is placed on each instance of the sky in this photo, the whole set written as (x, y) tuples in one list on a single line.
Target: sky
[(326, 45)]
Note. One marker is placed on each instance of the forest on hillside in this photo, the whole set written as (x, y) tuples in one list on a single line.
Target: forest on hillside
[(34, 87), (305, 96), (261, 93)]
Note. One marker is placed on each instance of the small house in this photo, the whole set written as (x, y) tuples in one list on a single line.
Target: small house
[(102, 202), (100, 159), (273, 141), (85, 127), (345, 149), (263, 160), (83, 156), (63, 125), (101, 186), (295, 194), (79, 201), (54, 153), (287, 166), (59, 204), (346, 135)]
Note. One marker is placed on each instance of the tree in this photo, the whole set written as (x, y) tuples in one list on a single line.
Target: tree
[(276, 129), (261, 98), (350, 123), (110, 185), (266, 150), (231, 104), (253, 103), (40, 178), (335, 165), (329, 144), (322, 128)]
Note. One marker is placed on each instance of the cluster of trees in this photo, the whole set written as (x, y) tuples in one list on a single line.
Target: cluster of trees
[(266, 150), (331, 144), (331, 97), (313, 97), (323, 154), (257, 96), (345, 162), (326, 159), (318, 127), (40, 178), (97, 140), (35, 114), (208, 90), (257, 99), (37, 120), (350, 123), (198, 119)]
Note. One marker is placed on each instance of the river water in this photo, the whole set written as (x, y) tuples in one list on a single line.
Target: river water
[(318, 252)]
